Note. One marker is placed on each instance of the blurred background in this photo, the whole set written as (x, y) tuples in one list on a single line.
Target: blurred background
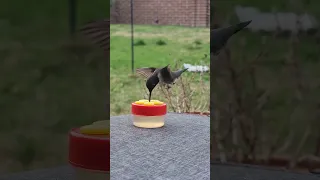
[(267, 84), (165, 32), (50, 82)]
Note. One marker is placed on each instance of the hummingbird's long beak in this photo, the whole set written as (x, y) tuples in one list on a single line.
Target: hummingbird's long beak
[(150, 95)]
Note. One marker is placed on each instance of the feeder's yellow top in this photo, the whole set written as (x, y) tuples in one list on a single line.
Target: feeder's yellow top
[(147, 103), (97, 128)]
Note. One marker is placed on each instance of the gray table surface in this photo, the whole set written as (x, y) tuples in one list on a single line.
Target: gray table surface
[(180, 150)]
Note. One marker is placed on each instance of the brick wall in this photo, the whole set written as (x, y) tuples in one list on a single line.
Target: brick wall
[(167, 12)]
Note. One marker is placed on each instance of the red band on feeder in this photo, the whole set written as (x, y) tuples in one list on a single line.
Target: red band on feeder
[(88, 151), (145, 110)]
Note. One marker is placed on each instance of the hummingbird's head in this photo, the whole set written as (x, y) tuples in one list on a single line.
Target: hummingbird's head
[(152, 82)]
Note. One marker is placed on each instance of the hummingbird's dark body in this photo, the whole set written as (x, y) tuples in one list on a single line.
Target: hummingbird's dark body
[(163, 76), (219, 37), (98, 32)]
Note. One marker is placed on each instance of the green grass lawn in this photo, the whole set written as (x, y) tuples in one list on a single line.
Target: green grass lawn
[(181, 44)]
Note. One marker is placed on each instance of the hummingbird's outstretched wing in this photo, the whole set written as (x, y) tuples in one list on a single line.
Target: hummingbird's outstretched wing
[(98, 32), (146, 72)]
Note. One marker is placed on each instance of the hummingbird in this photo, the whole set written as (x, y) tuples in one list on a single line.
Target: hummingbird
[(219, 37), (162, 76), (99, 32)]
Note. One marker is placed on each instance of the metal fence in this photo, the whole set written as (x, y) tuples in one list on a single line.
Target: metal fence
[(192, 13)]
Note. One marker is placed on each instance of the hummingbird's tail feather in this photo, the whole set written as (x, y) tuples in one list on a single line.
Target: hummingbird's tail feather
[(226, 33), (177, 74), (241, 26), (98, 32), (145, 72), (219, 37)]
